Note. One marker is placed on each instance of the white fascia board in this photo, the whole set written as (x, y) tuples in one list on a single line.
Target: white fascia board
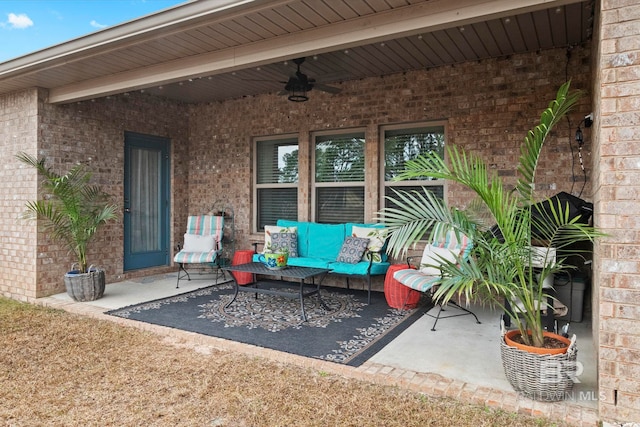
[(168, 21), (415, 19)]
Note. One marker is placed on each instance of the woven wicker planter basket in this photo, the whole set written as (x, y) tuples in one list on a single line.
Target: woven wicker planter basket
[(85, 286), (543, 377)]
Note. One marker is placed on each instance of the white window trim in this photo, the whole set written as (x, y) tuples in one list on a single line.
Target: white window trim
[(314, 184), (428, 183), (254, 175)]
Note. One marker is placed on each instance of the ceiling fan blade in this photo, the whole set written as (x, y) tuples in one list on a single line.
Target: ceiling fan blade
[(325, 88)]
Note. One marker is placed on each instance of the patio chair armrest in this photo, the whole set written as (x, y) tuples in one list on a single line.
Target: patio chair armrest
[(410, 260)]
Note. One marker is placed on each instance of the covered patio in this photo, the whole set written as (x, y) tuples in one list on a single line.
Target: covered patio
[(460, 360), (208, 84)]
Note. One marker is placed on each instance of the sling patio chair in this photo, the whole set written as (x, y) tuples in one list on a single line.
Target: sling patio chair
[(201, 248), (424, 277)]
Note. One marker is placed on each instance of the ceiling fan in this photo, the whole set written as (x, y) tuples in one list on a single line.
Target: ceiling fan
[(299, 84)]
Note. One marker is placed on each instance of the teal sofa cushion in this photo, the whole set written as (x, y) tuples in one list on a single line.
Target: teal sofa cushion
[(325, 240), (309, 262), (302, 262), (359, 268), (319, 246)]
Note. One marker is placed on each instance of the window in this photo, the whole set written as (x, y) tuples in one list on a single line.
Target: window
[(339, 178), (402, 144), (276, 181)]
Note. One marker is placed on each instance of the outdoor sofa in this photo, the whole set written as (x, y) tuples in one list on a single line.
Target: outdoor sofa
[(331, 246)]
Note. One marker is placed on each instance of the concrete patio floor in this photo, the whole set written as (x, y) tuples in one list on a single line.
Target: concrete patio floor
[(461, 359)]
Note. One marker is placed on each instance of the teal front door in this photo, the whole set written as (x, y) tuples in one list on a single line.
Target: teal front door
[(146, 201)]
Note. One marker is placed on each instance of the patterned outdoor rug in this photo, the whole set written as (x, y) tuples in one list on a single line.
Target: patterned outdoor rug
[(349, 333)]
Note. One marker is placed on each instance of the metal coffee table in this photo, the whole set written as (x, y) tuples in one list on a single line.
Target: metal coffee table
[(299, 273)]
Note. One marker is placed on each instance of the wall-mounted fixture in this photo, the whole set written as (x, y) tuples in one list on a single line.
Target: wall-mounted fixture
[(587, 121)]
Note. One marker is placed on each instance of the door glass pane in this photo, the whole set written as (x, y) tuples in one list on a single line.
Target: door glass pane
[(145, 200)]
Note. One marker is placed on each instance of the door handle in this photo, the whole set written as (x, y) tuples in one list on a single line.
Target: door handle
[(127, 210)]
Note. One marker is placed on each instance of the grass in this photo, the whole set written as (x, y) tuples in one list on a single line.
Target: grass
[(60, 369)]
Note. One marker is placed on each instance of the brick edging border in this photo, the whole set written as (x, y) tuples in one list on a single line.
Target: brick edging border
[(430, 384)]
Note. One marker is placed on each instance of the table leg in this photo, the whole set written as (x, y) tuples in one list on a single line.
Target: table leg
[(235, 293), (325, 306), (322, 303), (317, 292), (304, 314)]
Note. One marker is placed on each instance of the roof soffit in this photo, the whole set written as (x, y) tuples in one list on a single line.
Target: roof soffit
[(417, 18)]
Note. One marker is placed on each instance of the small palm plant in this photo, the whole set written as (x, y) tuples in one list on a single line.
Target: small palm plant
[(503, 226), (73, 209)]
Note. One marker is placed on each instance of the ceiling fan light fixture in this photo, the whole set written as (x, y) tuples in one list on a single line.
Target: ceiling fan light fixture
[(298, 95), (298, 85)]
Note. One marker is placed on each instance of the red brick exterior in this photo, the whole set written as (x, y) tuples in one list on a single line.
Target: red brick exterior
[(487, 106), (616, 181), (18, 240), (91, 133)]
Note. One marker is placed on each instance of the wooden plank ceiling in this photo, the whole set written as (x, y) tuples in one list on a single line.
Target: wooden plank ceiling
[(140, 61)]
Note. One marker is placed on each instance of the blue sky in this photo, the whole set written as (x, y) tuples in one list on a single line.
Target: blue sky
[(30, 25)]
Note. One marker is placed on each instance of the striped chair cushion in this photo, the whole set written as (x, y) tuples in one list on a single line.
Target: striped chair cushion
[(414, 279), (462, 247), (202, 225), (195, 257), (205, 225)]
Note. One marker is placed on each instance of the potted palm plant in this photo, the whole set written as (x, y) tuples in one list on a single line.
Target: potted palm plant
[(517, 245), (72, 210)]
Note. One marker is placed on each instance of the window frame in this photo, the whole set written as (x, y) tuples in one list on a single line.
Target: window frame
[(314, 185), (384, 184), (254, 176)]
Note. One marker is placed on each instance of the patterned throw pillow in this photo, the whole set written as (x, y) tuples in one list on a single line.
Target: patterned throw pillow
[(270, 229), (285, 241), (376, 236), (352, 249)]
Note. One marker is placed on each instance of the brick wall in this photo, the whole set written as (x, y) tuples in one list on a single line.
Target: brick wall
[(91, 133), (488, 106), (18, 255), (617, 203)]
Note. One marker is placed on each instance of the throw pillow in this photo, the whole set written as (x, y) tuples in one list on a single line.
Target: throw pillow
[(287, 242), (198, 243), (377, 237), (270, 229), (352, 249), (432, 257)]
